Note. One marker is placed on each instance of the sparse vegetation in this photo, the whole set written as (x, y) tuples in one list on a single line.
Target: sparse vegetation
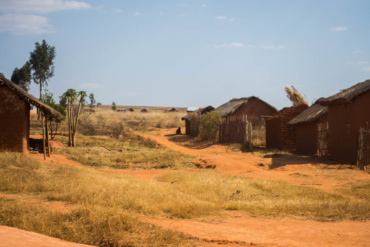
[(209, 126)]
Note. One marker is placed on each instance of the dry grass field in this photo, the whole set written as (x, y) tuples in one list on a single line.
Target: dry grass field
[(129, 182)]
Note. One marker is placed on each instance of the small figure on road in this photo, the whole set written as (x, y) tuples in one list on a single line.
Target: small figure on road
[(178, 131)]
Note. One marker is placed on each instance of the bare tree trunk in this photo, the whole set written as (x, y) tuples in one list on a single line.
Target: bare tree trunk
[(69, 124), (76, 123), (43, 136), (38, 111), (47, 134)]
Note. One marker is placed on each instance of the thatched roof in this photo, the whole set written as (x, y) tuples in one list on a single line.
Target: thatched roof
[(231, 106), (347, 94), (29, 98), (312, 113), (200, 110)]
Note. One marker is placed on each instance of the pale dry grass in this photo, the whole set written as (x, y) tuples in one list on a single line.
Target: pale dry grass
[(267, 198), (135, 152)]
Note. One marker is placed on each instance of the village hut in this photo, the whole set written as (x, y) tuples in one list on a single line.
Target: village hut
[(252, 107), (242, 115), (171, 110), (306, 128), (15, 105), (192, 120), (348, 111), (280, 134), (144, 110)]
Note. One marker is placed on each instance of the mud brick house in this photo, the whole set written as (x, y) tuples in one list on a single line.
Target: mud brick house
[(192, 120), (348, 111), (306, 128), (252, 106), (280, 134), (15, 116)]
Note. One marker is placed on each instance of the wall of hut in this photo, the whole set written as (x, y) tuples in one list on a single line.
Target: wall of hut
[(14, 121), (306, 136), (344, 123), (280, 134)]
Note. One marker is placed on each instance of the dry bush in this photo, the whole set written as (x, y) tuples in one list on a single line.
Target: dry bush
[(295, 97), (209, 126)]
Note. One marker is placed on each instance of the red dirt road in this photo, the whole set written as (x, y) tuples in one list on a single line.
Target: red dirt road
[(12, 237)]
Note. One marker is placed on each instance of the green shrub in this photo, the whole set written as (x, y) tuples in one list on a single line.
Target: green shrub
[(209, 126)]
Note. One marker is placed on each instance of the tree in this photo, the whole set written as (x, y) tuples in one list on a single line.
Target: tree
[(42, 64), (98, 104), (74, 104), (48, 98), (22, 76), (92, 101), (114, 107)]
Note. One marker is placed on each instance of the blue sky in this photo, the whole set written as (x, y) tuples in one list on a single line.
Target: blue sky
[(192, 52)]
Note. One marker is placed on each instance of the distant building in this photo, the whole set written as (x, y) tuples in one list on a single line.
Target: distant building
[(252, 106), (192, 120)]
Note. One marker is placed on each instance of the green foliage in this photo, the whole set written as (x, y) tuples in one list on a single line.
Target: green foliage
[(42, 62), (98, 104), (22, 76), (114, 107), (48, 98), (92, 100), (209, 125)]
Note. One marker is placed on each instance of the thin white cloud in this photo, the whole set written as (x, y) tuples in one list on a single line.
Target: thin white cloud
[(203, 5), (225, 18), (356, 51), (91, 85), (270, 47), (366, 68), (118, 11), (40, 6), (362, 62), (136, 14), (338, 29), (231, 45), (221, 17), (21, 24)]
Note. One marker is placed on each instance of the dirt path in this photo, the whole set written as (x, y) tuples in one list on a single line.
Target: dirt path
[(30, 239), (306, 171), (243, 230)]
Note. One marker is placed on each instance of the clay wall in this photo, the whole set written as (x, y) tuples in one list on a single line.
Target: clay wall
[(306, 136), (14, 121), (280, 134), (344, 123)]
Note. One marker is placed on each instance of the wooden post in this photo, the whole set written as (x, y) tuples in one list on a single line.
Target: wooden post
[(47, 134), (43, 135)]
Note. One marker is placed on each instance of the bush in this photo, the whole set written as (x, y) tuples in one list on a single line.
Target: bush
[(209, 126)]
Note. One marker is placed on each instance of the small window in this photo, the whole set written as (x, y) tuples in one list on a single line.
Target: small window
[(348, 130)]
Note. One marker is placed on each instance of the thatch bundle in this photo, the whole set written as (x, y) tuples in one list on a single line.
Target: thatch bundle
[(295, 97)]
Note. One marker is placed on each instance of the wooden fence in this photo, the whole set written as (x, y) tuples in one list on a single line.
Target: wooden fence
[(322, 139), (363, 147), (233, 129)]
